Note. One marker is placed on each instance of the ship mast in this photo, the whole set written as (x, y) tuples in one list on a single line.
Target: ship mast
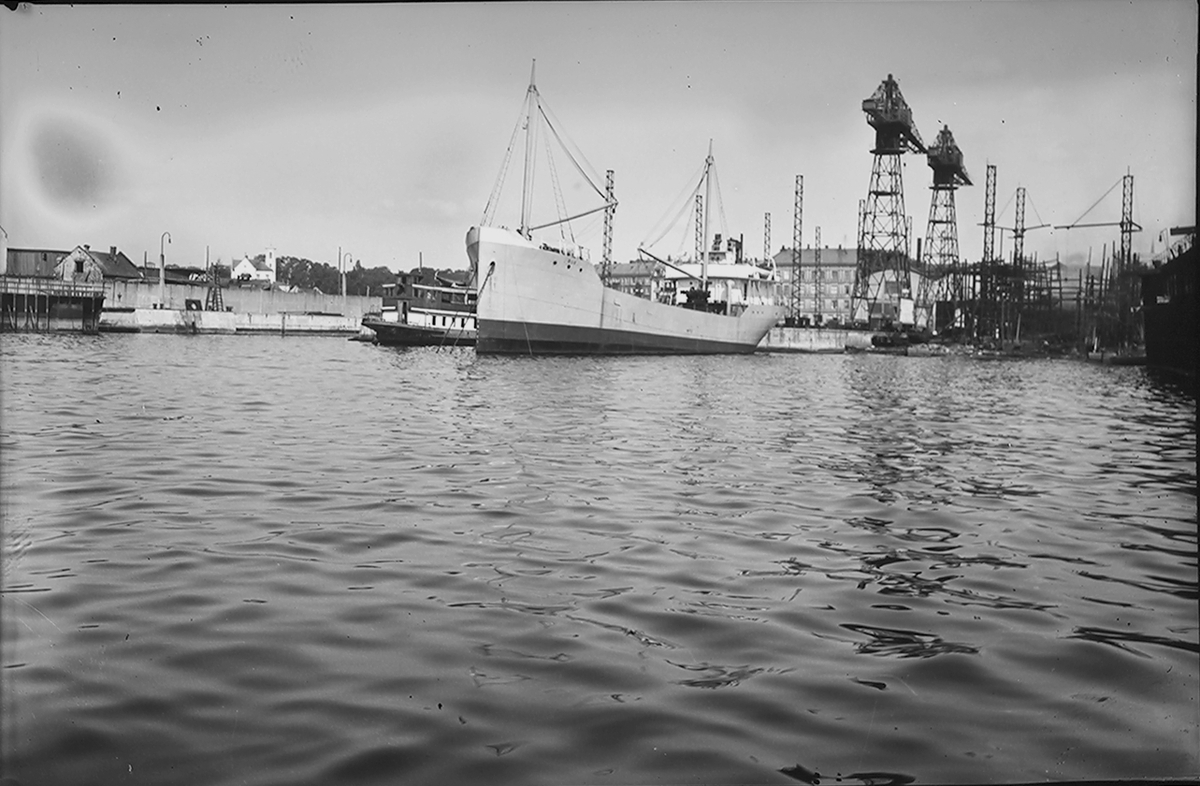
[(708, 162), (530, 132)]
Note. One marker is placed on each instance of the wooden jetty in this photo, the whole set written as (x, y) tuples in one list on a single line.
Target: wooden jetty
[(47, 305)]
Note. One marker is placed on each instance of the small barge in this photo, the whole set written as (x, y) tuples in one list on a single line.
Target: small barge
[(441, 314)]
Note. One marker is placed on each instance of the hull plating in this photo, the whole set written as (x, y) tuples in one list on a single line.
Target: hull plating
[(539, 300)]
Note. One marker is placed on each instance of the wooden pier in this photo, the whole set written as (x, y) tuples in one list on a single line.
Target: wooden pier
[(47, 305)]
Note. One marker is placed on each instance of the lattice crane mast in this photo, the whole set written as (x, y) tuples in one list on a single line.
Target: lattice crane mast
[(942, 279), (883, 267)]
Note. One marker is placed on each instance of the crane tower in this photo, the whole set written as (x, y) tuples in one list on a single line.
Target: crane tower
[(882, 276), (942, 279)]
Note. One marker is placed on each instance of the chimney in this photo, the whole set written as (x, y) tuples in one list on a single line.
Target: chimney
[(112, 251), (86, 247)]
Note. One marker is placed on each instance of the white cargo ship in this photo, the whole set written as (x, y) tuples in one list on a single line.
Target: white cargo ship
[(535, 298)]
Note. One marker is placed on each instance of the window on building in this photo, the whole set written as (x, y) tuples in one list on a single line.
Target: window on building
[(78, 265)]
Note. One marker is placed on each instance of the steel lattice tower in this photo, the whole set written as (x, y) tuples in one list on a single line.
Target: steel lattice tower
[(1019, 230), (1125, 260), (989, 214), (882, 275), (606, 262), (797, 226), (941, 281), (766, 238), (986, 274), (818, 279), (1128, 284)]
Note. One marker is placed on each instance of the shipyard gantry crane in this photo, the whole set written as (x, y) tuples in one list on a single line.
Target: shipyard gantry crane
[(882, 276), (942, 275)]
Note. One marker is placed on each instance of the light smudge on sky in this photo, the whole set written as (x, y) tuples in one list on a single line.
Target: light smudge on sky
[(381, 128)]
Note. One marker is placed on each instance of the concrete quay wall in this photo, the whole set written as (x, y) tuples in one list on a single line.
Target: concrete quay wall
[(802, 339), (174, 297), (161, 320)]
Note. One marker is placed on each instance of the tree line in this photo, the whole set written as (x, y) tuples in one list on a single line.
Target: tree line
[(306, 274)]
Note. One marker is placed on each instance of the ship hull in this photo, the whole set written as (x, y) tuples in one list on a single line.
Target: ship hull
[(1169, 315), (526, 338), (537, 300), (399, 334)]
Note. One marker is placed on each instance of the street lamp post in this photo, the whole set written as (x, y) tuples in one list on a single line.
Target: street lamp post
[(162, 270), (342, 267)]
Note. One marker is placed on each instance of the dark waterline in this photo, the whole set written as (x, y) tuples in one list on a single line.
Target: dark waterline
[(232, 560)]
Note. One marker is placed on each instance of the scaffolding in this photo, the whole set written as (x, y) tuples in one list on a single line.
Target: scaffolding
[(1018, 299), (1108, 304)]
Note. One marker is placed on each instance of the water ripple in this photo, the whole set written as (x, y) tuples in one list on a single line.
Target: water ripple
[(318, 561)]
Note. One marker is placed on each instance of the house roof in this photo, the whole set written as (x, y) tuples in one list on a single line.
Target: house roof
[(256, 263), (37, 262), (833, 257), (638, 268), (49, 252), (176, 274), (113, 265)]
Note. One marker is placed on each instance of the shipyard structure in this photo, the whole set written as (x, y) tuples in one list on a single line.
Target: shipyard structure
[(895, 280)]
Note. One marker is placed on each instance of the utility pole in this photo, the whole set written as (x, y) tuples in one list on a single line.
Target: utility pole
[(162, 270)]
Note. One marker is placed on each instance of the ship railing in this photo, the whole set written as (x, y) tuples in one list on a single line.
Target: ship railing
[(578, 252)]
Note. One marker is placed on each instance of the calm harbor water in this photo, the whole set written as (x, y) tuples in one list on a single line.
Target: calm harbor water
[(232, 560)]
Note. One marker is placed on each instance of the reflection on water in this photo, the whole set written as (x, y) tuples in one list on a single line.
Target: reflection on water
[(267, 561)]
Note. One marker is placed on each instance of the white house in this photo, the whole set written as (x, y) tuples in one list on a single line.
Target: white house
[(256, 269)]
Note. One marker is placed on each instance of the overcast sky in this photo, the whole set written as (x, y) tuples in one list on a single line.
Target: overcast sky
[(381, 129)]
